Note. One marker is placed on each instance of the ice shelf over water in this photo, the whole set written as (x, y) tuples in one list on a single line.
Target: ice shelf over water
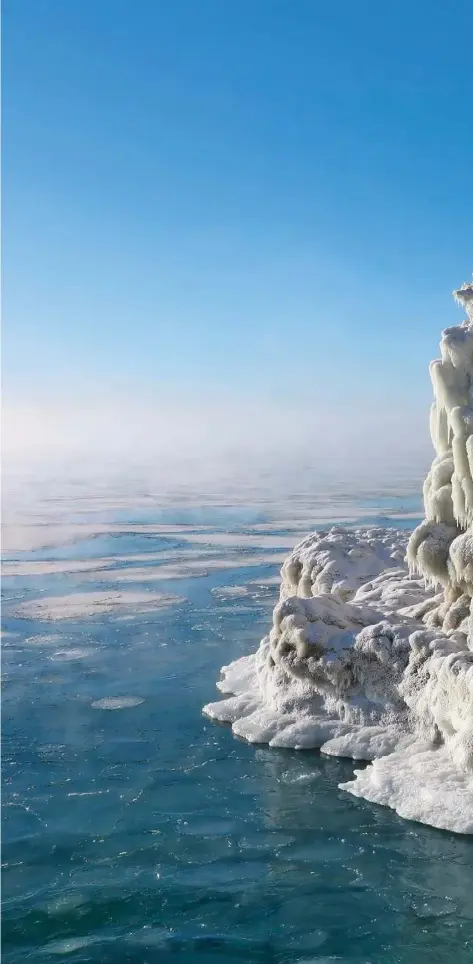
[(370, 654)]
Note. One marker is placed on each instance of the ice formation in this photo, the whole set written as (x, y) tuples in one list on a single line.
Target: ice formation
[(370, 655)]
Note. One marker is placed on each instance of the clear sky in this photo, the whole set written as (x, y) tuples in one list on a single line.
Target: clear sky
[(224, 209)]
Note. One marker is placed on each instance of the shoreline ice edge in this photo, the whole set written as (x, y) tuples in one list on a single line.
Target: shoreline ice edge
[(370, 655)]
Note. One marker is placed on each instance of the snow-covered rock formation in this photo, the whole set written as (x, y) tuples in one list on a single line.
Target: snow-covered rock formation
[(371, 658)]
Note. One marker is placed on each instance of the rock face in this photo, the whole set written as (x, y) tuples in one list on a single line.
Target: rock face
[(371, 658)]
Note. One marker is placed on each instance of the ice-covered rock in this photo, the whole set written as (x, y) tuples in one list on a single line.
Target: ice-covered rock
[(371, 650)]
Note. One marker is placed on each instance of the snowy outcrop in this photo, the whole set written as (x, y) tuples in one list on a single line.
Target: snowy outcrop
[(371, 658), (339, 561)]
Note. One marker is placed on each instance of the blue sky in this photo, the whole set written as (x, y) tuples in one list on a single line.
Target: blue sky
[(233, 203)]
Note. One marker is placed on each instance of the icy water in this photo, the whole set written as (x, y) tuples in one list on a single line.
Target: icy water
[(134, 830)]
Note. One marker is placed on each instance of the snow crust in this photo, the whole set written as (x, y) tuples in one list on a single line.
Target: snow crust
[(370, 654)]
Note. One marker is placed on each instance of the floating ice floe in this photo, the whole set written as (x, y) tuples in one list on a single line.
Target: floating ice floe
[(370, 655), (80, 605)]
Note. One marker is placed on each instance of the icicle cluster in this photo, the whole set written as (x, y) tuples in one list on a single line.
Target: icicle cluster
[(441, 548)]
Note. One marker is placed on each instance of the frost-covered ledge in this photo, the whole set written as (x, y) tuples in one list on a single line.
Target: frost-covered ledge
[(371, 658)]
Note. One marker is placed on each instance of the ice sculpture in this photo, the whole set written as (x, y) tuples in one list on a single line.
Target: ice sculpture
[(373, 659)]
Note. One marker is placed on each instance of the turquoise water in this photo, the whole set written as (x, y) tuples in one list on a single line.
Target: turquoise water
[(145, 833)]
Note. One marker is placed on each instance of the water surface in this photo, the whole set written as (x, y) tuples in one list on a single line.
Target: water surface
[(134, 830)]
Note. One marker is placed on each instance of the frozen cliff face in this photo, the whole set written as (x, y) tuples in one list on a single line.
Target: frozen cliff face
[(373, 659), (441, 548)]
